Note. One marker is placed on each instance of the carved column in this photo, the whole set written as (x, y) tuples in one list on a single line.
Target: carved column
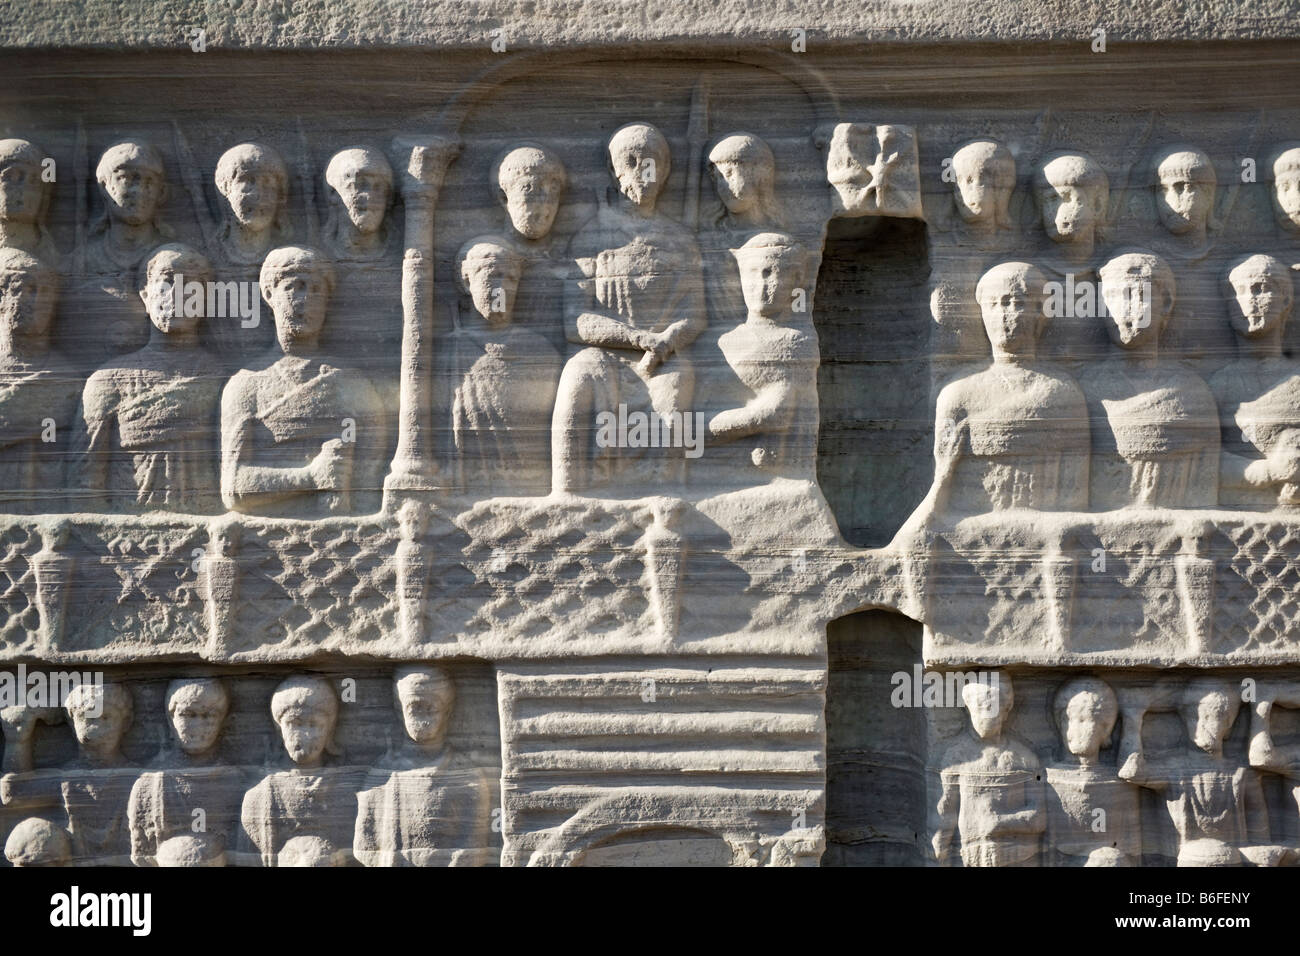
[(424, 163)]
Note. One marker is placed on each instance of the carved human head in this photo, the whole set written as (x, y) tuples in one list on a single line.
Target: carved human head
[(1286, 187), (425, 697), (989, 703), (1138, 290), (1073, 193), (1184, 189), (197, 708), (639, 160), (306, 710), (100, 715), (1010, 297), (529, 181), (24, 193), (311, 851), (773, 267), (1209, 709), (297, 283), (1262, 295), (744, 175), (37, 842), (362, 181), (163, 268), (985, 175), (1086, 710), (191, 850), (489, 268), (131, 180), (254, 181), (29, 290)]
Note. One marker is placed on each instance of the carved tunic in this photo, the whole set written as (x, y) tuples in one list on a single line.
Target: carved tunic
[(320, 803), (33, 396), (163, 803), (1075, 794)]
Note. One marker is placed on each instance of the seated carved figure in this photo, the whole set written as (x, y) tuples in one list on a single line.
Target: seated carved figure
[(94, 791), (1016, 434), (991, 787), (303, 816), (144, 433), (1093, 817), (425, 804), (504, 378), (184, 813), (1259, 392), (1216, 803), (300, 437), (37, 386), (774, 353), (633, 304), (1155, 423)]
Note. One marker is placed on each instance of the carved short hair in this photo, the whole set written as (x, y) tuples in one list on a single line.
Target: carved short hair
[(1288, 160), (997, 681), (1184, 161), (646, 137), (129, 152), (525, 158), (304, 692), (1093, 686), (1068, 168), (20, 151), (743, 148), (291, 260), (490, 248), (184, 259), (1151, 267), (1271, 268), (1200, 688), (250, 156), (358, 157), (191, 849), (113, 698), (16, 262), (183, 691), (420, 674), (37, 842), (1026, 273), (989, 154)]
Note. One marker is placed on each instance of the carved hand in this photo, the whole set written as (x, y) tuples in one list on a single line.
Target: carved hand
[(329, 469)]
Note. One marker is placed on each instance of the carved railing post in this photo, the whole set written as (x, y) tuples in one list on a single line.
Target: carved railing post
[(1060, 574), (1195, 575), (53, 573), (412, 573), (666, 556), (221, 586), (423, 162)]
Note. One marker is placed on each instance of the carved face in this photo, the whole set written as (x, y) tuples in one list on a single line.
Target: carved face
[(21, 192), (306, 732), (988, 704), (26, 304), (977, 189), (768, 278), (1286, 199), (737, 185), (426, 706), (365, 193), (299, 299), (532, 199), (1184, 201), (254, 194), (197, 719), (1088, 724), (1258, 304), (102, 732), (133, 192), (1129, 299), (638, 170), (159, 298), (1212, 721), (1070, 212), (492, 283), (1012, 316)]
